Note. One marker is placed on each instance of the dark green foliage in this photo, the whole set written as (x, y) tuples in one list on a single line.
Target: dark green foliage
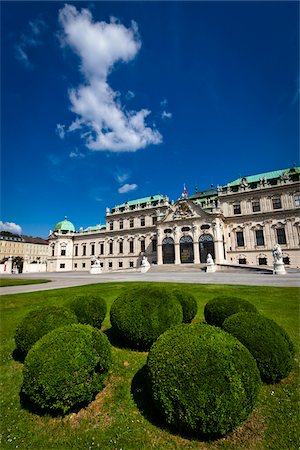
[(219, 308), (66, 368), (188, 303), (203, 380), (140, 314), (90, 310), (266, 341), (38, 323)]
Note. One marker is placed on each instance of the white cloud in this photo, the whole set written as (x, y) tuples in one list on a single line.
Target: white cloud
[(106, 123), (121, 177), (32, 38), (11, 227), (127, 188), (76, 154), (130, 95), (166, 115), (164, 102), (60, 130)]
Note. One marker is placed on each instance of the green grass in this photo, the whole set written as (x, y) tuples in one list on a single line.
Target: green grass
[(19, 281), (121, 416)]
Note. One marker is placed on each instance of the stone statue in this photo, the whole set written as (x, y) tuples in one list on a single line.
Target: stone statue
[(210, 265), (96, 267), (145, 265), (278, 264)]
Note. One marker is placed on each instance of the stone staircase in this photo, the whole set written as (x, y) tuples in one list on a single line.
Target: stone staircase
[(177, 268)]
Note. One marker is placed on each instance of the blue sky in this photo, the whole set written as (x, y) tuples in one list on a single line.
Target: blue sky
[(105, 102)]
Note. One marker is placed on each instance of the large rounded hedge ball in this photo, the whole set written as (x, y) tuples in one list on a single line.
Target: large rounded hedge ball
[(66, 368), (266, 341), (89, 309), (139, 315), (202, 379), (219, 308), (38, 323), (188, 303)]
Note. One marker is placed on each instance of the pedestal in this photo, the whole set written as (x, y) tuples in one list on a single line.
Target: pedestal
[(95, 270), (278, 268), (210, 268)]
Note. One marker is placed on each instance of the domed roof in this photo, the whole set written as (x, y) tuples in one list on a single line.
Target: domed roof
[(64, 226)]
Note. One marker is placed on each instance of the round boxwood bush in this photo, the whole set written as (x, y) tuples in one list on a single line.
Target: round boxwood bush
[(66, 368), (89, 309), (38, 323), (266, 341), (202, 379), (219, 308), (139, 315), (188, 303)]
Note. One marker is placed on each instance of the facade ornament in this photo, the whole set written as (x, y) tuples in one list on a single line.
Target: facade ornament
[(183, 211)]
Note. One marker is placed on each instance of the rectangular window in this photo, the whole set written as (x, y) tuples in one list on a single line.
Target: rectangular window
[(154, 245), (111, 226), (131, 264), (131, 247), (255, 205), (260, 240), (281, 237), (240, 239), (143, 245), (76, 250), (92, 249), (131, 223), (237, 208), (262, 261), (121, 224), (142, 221), (62, 266), (154, 220), (83, 265), (52, 251), (120, 264), (121, 247), (75, 266), (84, 250), (110, 248), (297, 200), (63, 252), (276, 202), (101, 248), (110, 265)]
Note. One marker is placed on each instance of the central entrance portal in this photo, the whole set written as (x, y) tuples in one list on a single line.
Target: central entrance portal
[(206, 246), (168, 251), (186, 250)]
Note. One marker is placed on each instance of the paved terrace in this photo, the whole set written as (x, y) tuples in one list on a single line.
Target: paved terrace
[(69, 279)]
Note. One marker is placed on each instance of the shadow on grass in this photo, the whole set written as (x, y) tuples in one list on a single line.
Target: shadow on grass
[(117, 341), (141, 395), (18, 356)]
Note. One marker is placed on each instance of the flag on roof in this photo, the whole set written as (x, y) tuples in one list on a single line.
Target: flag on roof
[(185, 192)]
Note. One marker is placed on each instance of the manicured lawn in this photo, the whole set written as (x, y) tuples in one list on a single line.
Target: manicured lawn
[(19, 281), (122, 416)]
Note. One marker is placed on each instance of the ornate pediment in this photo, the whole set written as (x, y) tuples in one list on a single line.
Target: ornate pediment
[(183, 210)]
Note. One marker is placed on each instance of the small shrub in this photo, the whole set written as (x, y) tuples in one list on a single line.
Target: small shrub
[(89, 310), (203, 380), (219, 308), (188, 303), (266, 341), (38, 323), (139, 315), (66, 368)]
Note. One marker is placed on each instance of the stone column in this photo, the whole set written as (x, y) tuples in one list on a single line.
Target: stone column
[(289, 233), (177, 252), (218, 242), (159, 248)]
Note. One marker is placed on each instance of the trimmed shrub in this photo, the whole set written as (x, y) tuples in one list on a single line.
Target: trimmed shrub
[(38, 323), (140, 314), (66, 368), (266, 341), (219, 308), (203, 380), (89, 310), (188, 303)]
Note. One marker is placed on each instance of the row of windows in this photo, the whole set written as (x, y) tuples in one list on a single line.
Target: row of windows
[(110, 265), (131, 223), (110, 249), (256, 207), (262, 261), (259, 237)]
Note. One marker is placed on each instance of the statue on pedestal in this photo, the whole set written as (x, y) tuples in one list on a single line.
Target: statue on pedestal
[(96, 267), (278, 264), (145, 265), (210, 265)]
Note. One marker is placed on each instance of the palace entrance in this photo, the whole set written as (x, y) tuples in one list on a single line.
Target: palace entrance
[(168, 251), (206, 245), (186, 250)]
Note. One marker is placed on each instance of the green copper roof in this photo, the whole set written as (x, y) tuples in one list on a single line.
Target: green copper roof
[(267, 175), (95, 228), (64, 225), (139, 201)]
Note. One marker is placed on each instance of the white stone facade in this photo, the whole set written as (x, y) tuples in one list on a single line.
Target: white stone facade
[(237, 224)]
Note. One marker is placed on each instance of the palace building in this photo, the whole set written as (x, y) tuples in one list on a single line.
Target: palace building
[(238, 224)]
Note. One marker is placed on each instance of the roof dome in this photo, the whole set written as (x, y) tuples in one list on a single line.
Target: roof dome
[(64, 226)]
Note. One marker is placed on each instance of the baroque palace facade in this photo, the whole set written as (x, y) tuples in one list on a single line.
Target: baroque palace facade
[(237, 224)]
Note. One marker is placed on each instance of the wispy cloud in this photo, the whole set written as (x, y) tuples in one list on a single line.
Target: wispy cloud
[(11, 227), (166, 115), (60, 130), (54, 159), (127, 188), (121, 177), (164, 102), (76, 154), (105, 123), (28, 40)]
